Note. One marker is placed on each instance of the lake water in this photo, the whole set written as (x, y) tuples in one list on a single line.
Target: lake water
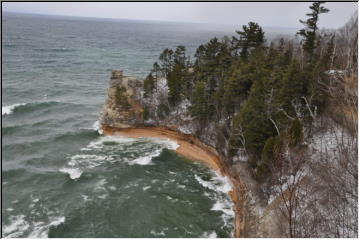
[(61, 178)]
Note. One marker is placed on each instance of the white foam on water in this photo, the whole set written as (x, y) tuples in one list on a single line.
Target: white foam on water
[(7, 110), (100, 185), (172, 145), (41, 230), (96, 127), (108, 144), (88, 160), (85, 197), (161, 233), (99, 143), (223, 207), (57, 221), (146, 188), (217, 183), (18, 225), (146, 160), (220, 186), (74, 173), (209, 235), (103, 196)]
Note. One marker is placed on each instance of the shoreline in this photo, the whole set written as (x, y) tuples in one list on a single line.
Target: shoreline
[(193, 149), (188, 146)]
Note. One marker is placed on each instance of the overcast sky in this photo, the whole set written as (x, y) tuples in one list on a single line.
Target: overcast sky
[(266, 14)]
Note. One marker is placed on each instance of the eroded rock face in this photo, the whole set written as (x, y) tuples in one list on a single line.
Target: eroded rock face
[(122, 108)]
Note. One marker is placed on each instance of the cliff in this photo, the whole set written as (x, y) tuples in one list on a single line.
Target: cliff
[(127, 112), (122, 108)]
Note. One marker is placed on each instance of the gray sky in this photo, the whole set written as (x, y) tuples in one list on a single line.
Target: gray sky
[(285, 14)]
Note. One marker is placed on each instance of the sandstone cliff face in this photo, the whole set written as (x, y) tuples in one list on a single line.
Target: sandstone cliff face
[(125, 106), (122, 108)]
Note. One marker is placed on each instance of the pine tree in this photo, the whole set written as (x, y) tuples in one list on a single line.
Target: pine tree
[(311, 26), (149, 85), (199, 102), (167, 61), (294, 85), (175, 84), (253, 119), (251, 37)]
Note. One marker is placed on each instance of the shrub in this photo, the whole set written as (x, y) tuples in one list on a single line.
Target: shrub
[(295, 133), (121, 97), (162, 111)]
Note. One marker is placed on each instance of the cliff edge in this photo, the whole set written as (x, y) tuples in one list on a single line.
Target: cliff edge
[(127, 112)]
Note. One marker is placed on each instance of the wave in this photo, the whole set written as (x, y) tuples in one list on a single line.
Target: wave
[(209, 235), (223, 207), (17, 227), (146, 160), (55, 50), (41, 230), (7, 110), (115, 150), (218, 183), (96, 126), (220, 187), (80, 134), (73, 172)]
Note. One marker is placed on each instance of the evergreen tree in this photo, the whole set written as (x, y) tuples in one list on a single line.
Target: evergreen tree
[(167, 61), (251, 37), (175, 84), (180, 56), (253, 119), (240, 79), (199, 102), (149, 85), (311, 26), (294, 85)]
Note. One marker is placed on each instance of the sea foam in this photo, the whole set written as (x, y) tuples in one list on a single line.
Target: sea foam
[(7, 110), (74, 173), (96, 127), (41, 230), (217, 183), (16, 228), (219, 186)]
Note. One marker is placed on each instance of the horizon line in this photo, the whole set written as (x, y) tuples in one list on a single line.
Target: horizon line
[(142, 20)]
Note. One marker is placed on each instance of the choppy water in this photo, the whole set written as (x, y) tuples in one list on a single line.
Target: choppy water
[(61, 178)]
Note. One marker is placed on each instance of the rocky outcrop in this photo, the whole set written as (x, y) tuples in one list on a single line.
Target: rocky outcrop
[(122, 108), (125, 110)]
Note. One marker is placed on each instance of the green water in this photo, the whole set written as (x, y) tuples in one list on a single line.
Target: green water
[(61, 178)]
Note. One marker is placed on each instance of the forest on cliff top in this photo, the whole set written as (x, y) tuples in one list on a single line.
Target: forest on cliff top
[(269, 103)]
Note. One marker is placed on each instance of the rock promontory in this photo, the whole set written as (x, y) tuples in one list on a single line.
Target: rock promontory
[(122, 108)]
